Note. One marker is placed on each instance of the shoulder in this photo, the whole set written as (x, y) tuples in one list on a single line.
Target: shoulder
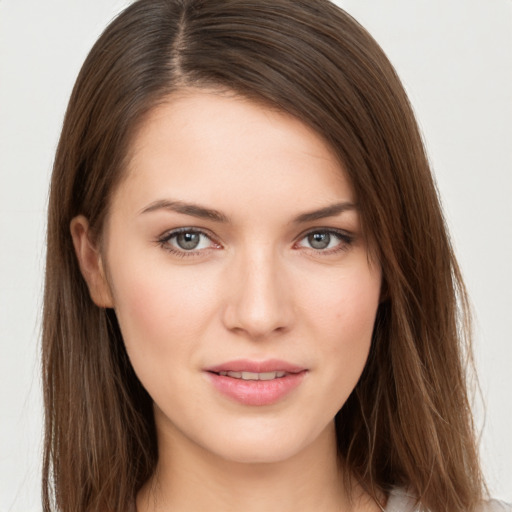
[(400, 500), (496, 506)]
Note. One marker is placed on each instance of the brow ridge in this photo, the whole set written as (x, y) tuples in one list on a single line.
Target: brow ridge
[(191, 209), (322, 213), (202, 212)]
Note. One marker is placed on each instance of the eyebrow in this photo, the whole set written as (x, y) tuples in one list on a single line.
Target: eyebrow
[(202, 212), (328, 211), (191, 209)]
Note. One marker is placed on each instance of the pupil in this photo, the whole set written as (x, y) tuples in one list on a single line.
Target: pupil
[(319, 240), (188, 241)]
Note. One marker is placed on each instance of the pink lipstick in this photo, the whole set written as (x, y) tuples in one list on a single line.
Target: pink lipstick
[(256, 382)]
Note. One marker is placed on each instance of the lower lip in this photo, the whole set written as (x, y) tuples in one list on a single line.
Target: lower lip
[(256, 392)]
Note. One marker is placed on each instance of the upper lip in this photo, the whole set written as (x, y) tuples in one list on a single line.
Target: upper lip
[(246, 365)]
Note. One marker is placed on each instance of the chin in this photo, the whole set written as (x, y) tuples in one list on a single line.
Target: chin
[(266, 446), (258, 454)]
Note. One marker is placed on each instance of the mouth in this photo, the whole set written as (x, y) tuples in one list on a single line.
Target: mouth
[(250, 368), (254, 376), (256, 383)]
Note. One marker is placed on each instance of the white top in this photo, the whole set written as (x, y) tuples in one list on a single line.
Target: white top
[(400, 501)]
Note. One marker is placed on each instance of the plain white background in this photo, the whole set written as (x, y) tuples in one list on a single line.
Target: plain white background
[(455, 59)]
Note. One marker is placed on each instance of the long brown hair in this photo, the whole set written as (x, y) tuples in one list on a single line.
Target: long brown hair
[(408, 422)]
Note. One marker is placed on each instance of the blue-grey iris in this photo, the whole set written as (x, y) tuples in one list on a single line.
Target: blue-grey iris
[(188, 241), (319, 240)]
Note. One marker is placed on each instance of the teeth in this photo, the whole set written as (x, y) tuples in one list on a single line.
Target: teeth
[(254, 376), (278, 375), (250, 376), (268, 376)]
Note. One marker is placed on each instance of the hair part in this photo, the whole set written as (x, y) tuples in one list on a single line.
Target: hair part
[(408, 422)]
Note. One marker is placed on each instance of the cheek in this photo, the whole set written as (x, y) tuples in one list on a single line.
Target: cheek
[(343, 321), (153, 305), (346, 304)]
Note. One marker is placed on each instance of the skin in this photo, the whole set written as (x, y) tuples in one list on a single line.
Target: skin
[(254, 288)]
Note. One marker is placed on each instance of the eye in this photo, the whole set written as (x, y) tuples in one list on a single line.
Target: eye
[(325, 240), (186, 240)]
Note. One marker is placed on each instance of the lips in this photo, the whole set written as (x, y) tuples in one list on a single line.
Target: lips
[(256, 383), (246, 365), (254, 376)]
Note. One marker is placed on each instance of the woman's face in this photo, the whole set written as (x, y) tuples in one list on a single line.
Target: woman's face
[(240, 277)]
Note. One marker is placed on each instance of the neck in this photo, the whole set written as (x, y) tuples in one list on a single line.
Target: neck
[(188, 478)]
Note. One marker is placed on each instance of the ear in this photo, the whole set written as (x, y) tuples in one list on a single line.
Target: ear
[(90, 262)]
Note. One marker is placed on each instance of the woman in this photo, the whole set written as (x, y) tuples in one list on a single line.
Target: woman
[(251, 299)]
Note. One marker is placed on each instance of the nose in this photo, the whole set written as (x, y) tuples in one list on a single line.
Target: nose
[(260, 300)]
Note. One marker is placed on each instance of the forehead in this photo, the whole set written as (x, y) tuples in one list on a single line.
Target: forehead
[(206, 145)]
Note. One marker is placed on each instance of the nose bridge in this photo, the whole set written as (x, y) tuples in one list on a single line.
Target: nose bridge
[(260, 303)]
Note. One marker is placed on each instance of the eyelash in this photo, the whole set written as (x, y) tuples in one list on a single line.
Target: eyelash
[(164, 242), (345, 241)]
